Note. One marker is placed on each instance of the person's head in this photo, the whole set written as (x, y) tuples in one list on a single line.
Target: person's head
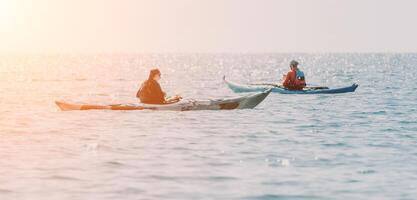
[(155, 74), (293, 64)]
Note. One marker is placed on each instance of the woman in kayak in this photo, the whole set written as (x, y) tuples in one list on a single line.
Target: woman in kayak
[(294, 80), (150, 91)]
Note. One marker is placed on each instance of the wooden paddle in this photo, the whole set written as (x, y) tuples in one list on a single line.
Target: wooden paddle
[(268, 84), (317, 87), (280, 86)]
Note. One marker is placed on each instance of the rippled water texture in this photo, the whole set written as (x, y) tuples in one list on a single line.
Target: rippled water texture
[(360, 145)]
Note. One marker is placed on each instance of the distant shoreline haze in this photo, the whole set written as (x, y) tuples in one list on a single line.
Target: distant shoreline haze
[(207, 26)]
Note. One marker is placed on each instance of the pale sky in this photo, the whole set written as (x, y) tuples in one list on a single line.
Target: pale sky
[(207, 26)]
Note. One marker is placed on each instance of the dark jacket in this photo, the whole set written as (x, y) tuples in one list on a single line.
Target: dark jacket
[(150, 92)]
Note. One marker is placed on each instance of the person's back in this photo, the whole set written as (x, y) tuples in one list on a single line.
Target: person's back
[(150, 92), (295, 79)]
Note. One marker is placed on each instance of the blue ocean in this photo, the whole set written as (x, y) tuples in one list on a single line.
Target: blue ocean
[(360, 145)]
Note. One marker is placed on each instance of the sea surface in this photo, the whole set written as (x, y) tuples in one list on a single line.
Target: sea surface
[(360, 145)]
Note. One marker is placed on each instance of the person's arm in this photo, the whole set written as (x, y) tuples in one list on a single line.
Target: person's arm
[(139, 90), (159, 94), (173, 100), (287, 80)]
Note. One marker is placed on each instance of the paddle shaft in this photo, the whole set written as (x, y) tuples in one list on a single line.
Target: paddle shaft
[(280, 86)]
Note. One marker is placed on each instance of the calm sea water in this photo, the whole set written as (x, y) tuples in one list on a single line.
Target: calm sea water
[(360, 145)]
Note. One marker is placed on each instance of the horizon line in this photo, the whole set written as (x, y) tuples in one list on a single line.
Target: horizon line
[(202, 53)]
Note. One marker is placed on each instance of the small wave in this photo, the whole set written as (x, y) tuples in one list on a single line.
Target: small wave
[(390, 130), (366, 171), (131, 190), (161, 177), (407, 122), (114, 163), (5, 191), (384, 145), (57, 80), (285, 162), (61, 177), (92, 146), (46, 80), (337, 144), (281, 183), (283, 197), (408, 136), (222, 178), (219, 164), (352, 181)]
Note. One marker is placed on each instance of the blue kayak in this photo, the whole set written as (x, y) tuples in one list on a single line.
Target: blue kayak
[(238, 88)]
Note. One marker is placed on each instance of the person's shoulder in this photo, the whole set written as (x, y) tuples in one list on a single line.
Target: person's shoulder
[(145, 82), (153, 82)]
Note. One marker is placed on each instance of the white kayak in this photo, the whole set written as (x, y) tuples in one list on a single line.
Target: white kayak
[(244, 102)]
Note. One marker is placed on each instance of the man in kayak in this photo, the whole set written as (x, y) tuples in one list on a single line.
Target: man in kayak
[(150, 91), (294, 80)]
